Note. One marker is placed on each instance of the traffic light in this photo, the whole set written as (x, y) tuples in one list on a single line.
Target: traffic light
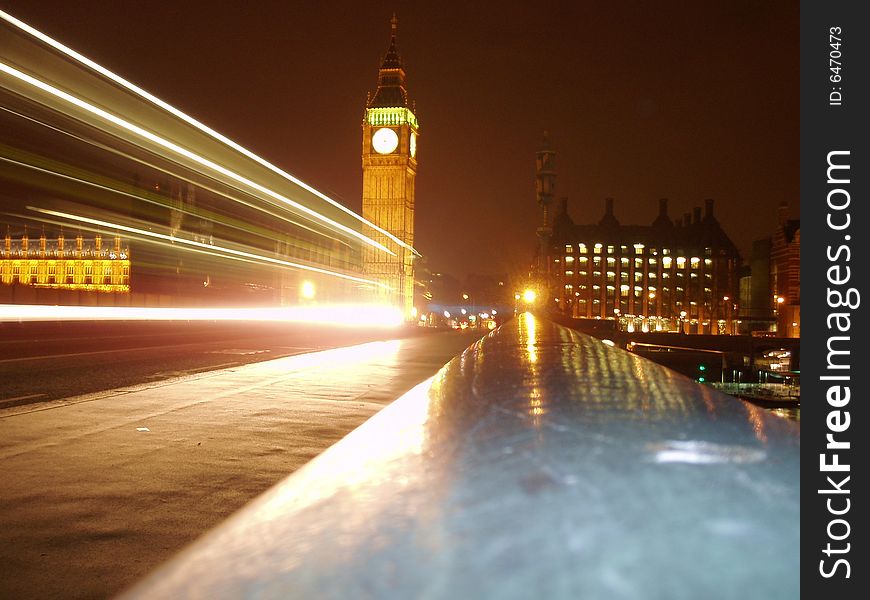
[(701, 369)]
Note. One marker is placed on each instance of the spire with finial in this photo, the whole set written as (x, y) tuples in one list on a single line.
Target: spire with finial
[(391, 76), (391, 58)]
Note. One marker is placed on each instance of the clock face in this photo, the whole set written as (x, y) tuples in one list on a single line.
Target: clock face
[(413, 144), (385, 140)]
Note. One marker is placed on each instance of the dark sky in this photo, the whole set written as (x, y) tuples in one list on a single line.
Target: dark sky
[(643, 100)]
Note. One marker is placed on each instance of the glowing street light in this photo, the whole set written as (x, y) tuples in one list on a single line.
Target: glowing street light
[(308, 290), (529, 296)]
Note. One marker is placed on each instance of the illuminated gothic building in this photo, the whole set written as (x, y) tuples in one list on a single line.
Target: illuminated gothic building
[(389, 164), (665, 276), (661, 277), (66, 263)]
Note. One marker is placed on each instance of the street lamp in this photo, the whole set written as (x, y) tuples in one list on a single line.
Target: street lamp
[(727, 301)]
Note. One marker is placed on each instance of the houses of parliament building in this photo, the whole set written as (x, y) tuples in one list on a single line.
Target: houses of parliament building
[(78, 263)]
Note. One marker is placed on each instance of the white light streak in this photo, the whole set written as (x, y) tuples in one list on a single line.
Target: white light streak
[(211, 248), (188, 119), (346, 315), (173, 147)]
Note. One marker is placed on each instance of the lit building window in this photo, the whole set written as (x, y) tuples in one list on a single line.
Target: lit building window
[(653, 261), (695, 261), (708, 262), (638, 263), (610, 249), (597, 249), (569, 259), (582, 248), (681, 262), (666, 262), (611, 262), (569, 248), (623, 261), (583, 259)]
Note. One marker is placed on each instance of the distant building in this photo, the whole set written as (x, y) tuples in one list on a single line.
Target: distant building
[(785, 274), (756, 301), (771, 289), (66, 263)]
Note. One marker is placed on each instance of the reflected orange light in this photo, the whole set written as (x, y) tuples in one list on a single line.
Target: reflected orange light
[(364, 456), (530, 336), (347, 315)]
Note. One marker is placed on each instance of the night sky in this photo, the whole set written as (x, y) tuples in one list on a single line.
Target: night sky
[(642, 101)]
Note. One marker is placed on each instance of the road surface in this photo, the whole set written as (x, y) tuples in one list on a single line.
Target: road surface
[(100, 489)]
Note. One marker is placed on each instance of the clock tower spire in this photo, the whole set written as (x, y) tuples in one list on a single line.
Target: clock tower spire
[(389, 164)]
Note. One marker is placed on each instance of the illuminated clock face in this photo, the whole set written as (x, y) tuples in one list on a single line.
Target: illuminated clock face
[(385, 140), (413, 144)]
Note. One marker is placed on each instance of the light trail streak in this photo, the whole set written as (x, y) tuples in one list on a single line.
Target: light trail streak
[(173, 147), (191, 121), (164, 204), (346, 315), (171, 245), (206, 247)]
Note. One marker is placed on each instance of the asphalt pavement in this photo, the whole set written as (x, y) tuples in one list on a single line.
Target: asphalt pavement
[(47, 361), (97, 490)]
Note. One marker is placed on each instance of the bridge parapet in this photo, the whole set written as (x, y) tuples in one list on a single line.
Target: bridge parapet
[(538, 463)]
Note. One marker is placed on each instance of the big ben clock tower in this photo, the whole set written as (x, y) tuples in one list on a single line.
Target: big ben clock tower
[(389, 163)]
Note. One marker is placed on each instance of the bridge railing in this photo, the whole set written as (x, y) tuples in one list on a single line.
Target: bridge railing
[(540, 463)]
